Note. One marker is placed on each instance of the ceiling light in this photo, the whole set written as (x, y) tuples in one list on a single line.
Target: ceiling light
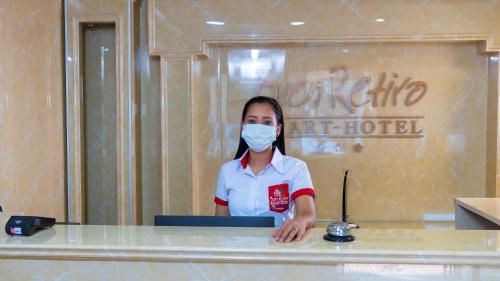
[(215, 22), (380, 20), (297, 23)]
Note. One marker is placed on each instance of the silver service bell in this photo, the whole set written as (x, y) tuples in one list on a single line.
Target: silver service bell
[(339, 231)]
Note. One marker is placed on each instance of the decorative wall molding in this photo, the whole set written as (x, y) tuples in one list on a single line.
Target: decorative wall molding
[(115, 12), (199, 38)]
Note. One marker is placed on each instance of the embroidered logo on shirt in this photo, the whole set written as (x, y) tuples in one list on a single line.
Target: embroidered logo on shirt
[(279, 198)]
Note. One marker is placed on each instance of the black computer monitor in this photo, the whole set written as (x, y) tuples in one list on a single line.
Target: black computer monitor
[(217, 221)]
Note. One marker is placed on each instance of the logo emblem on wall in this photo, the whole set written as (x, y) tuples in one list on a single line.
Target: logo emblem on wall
[(336, 106)]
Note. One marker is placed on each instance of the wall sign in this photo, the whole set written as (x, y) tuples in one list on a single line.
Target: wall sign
[(336, 105)]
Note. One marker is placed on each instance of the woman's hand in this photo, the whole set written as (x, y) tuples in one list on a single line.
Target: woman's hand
[(291, 230), (294, 230)]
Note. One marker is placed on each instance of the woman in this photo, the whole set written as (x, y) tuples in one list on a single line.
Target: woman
[(262, 180)]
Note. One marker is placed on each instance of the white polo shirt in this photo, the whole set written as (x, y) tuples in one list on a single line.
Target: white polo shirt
[(270, 193)]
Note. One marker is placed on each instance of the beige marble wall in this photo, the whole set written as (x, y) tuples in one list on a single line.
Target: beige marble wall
[(325, 20), (31, 108), (392, 179), (441, 43), (177, 30)]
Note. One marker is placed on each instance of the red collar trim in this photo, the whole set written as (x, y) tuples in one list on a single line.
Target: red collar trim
[(246, 157), (244, 160)]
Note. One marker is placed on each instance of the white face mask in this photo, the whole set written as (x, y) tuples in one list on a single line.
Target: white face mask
[(258, 137)]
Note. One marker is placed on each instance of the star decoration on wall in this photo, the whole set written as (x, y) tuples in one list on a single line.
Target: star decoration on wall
[(320, 148), (358, 147)]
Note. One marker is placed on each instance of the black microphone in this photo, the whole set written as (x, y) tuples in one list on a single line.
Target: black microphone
[(345, 215), (344, 207)]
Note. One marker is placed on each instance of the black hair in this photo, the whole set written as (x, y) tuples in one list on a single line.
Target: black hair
[(280, 140)]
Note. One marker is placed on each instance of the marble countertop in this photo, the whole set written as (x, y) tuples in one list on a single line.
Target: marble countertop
[(150, 243), (488, 208)]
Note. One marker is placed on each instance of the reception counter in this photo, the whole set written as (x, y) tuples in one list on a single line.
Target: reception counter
[(185, 253)]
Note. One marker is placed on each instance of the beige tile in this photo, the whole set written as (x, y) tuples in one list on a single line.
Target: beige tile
[(31, 108)]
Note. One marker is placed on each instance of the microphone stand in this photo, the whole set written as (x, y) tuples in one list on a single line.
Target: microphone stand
[(344, 212), (338, 231), (345, 215)]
